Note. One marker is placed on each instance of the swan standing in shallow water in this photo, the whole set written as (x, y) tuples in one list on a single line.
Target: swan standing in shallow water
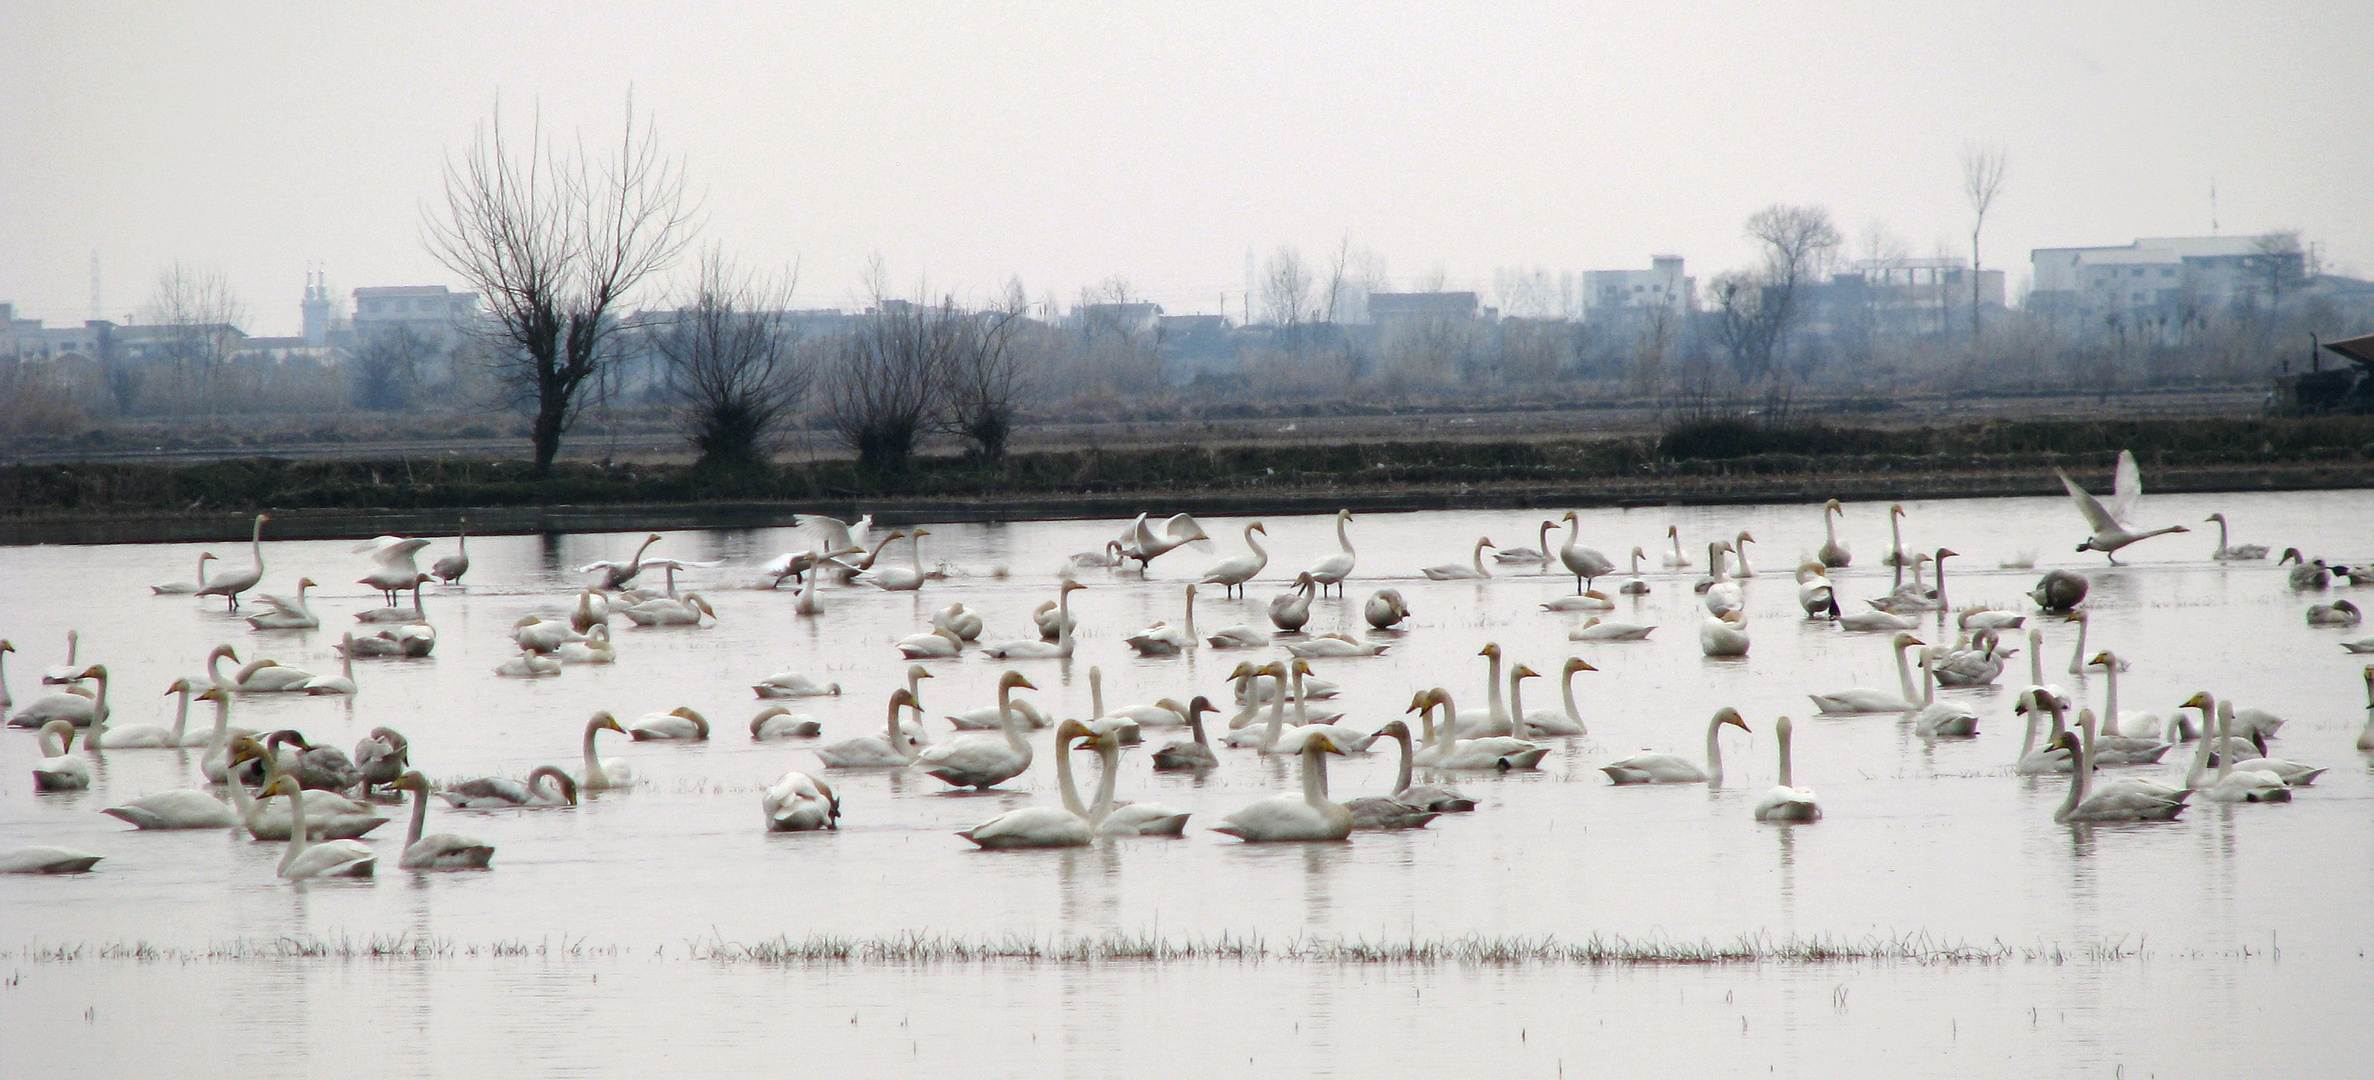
[(1332, 570), (1231, 574), (1785, 801), (1586, 564), (230, 583), (437, 851), (1653, 768), (1833, 554)]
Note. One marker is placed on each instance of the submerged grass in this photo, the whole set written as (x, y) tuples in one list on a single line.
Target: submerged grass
[(913, 948)]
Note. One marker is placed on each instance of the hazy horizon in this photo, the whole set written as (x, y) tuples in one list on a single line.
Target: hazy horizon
[(1160, 145)]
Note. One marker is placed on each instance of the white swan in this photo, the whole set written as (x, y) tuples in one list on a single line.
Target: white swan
[(2112, 803), (179, 808), (1586, 564), (984, 761), (305, 859), (1332, 570), (2134, 725), (59, 769), (798, 802), (595, 649), (680, 724), (1816, 596), (1334, 646), (1897, 557), (270, 677), (1593, 600), (615, 575), (2338, 613), (230, 583), (1065, 825), (2236, 553), (528, 665), (1269, 737), (1724, 635), (1875, 621), (1833, 554), (1540, 553), (1785, 801), (1231, 574), (1598, 629), (1983, 618), (894, 748), (1139, 541), (794, 684), (1384, 610), (1672, 558), (2032, 761), (1031, 649), (104, 736), (937, 643), (1739, 549), (414, 615), (1388, 811), (2111, 530), (1634, 587), (810, 603), (603, 774), (1863, 699), (2230, 784), (437, 851), (1658, 768), (777, 722), (288, 613), (671, 612), (1308, 816), (906, 578), (396, 571), (46, 859), (1940, 719), (989, 718), (334, 817), (1723, 595), (69, 673), (1474, 571), (1162, 639), (1290, 611), (966, 625), (2292, 773), (543, 635), (342, 683), (1114, 817), (1501, 752), (185, 588)]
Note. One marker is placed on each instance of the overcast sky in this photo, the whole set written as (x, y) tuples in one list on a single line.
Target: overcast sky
[(969, 144)]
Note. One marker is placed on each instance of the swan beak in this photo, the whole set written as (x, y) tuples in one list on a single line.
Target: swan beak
[(2101, 659)]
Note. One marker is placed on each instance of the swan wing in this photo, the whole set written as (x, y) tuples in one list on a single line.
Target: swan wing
[(2126, 486), (1183, 529), (2095, 516)]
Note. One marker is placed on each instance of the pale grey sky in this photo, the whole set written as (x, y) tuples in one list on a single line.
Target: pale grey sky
[(1070, 143)]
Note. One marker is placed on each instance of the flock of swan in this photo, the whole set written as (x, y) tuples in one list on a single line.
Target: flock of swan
[(322, 801)]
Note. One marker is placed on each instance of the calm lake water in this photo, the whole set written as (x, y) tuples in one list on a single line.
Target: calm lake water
[(2243, 929)]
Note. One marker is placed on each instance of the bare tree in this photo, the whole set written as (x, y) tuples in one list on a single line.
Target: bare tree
[(1798, 243), (388, 368), (983, 376), (2278, 259), (1983, 168), (733, 365), (198, 320), (886, 386), (1285, 289), (554, 237)]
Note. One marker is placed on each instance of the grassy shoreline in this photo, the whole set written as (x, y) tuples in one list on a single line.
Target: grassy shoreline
[(1705, 463)]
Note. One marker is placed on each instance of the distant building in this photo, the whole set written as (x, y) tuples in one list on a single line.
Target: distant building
[(28, 339), (434, 312), (1097, 320), (1385, 308), (1623, 297), (2163, 281)]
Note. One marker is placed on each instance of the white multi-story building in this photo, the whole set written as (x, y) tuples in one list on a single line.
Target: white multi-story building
[(434, 312), (1620, 295), (2159, 280)]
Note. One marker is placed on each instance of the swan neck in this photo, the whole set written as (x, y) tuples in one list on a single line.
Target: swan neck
[(2028, 741), (1516, 707), (1904, 672), (1008, 718), (1714, 753), (1492, 686), (1108, 753), (297, 830), (1567, 691), (181, 715), (1787, 778), (2225, 754), (1063, 779), (595, 777), (1341, 536), (1314, 775), (1302, 705), (1401, 772), (1277, 717), (2110, 694), (420, 815)]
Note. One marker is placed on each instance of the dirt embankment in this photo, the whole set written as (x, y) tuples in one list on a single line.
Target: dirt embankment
[(1713, 462)]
